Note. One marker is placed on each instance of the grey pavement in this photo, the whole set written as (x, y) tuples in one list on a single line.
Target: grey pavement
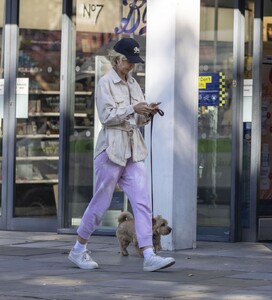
[(35, 266)]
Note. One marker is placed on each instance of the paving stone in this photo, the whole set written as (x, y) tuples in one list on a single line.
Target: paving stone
[(35, 266)]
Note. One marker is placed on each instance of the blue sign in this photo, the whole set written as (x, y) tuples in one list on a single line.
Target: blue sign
[(211, 89), (134, 18)]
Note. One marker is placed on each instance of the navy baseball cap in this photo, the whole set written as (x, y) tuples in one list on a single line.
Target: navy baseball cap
[(130, 49)]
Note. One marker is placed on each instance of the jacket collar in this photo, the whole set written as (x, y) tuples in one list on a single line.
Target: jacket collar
[(116, 79)]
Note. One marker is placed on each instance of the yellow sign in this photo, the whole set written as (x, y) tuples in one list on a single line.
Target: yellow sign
[(203, 80)]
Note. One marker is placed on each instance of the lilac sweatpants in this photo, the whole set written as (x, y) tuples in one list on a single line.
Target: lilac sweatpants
[(133, 180)]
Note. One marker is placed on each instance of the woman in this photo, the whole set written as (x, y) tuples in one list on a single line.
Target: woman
[(119, 156)]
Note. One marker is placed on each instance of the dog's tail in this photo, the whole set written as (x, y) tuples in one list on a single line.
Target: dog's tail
[(125, 216)]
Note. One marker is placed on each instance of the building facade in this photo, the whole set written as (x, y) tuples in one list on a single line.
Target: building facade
[(208, 62)]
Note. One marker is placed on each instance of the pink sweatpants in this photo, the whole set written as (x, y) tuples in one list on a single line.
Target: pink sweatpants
[(133, 180)]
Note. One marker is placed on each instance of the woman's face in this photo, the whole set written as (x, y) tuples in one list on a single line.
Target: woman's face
[(124, 66)]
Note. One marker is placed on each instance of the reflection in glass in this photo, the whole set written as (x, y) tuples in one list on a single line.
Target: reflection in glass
[(265, 196), (215, 119), (2, 10), (93, 38), (37, 109), (247, 113)]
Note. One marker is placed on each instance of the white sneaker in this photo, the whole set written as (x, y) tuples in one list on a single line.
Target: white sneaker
[(82, 259), (155, 262)]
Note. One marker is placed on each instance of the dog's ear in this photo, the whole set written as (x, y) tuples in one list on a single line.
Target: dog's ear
[(154, 221)]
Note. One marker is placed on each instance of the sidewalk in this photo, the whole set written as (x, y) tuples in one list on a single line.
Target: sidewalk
[(35, 266)]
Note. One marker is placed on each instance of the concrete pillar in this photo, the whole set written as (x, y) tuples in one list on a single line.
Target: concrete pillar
[(172, 66)]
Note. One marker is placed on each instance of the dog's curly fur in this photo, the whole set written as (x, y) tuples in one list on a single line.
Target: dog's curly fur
[(126, 234)]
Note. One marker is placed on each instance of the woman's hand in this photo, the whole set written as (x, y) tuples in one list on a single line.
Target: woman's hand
[(143, 108), (155, 107)]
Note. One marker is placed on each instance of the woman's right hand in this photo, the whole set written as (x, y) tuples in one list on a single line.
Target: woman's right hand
[(142, 108)]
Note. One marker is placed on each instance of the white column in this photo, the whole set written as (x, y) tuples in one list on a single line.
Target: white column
[(172, 66)]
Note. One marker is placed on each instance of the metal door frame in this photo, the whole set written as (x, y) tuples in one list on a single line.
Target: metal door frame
[(11, 43), (10, 74), (250, 234), (237, 117)]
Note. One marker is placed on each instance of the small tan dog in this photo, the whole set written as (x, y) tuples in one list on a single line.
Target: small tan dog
[(126, 232)]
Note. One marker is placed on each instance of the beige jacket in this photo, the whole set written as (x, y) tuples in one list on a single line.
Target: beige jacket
[(120, 135)]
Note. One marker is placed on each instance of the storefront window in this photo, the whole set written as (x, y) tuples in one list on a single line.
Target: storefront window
[(265, 198), (37, 110), (215, 118), (247, 112), (98, 27), (2, 10)]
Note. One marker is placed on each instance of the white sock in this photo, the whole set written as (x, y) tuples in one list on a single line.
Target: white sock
[(148, 252), (80, 247)]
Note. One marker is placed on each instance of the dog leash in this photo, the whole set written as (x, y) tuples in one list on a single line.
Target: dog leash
[(161, 113)]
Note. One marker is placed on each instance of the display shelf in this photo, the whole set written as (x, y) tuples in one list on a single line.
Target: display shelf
[(37, 136), (82, 127), (83, 93), (41, 92), (50, 92), (77, 93), (43, 114), (80, 115), (140, 74), (27, 181), (55, 114), (36, 158)]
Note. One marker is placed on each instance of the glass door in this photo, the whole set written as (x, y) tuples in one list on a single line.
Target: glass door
[(96, 27), (2, 17), (215, 119), (37, 109), (246, 205), (265, 196)]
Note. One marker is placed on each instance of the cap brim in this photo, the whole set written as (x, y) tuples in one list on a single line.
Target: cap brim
[(135, 59)]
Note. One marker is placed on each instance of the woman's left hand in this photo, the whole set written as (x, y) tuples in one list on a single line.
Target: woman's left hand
[(155, 107)]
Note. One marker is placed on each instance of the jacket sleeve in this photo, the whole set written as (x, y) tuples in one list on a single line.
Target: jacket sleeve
[(143, 120), (138, 96)]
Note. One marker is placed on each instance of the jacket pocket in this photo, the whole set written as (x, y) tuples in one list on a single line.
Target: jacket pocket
[(137, 96), (119, 102)]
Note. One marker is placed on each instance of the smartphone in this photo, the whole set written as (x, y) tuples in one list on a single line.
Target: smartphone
[(155, 104)]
